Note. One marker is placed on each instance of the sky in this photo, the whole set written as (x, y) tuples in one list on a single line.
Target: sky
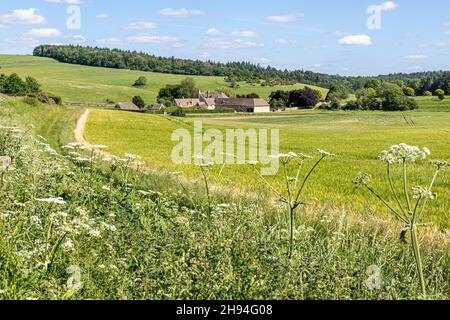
[(347, 37)]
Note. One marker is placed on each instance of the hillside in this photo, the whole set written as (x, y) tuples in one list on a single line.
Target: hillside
[(234, 71), (84, 84)]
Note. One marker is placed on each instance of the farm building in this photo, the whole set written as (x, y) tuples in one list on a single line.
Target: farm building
[(157, 107), (128, 106), (244, 104), (211, 100)]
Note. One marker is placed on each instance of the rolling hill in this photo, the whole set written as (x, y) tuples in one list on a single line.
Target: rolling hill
[(84, 84)]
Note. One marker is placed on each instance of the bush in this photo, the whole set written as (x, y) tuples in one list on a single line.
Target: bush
[(179, 112), (56, 99), (440, 94), (141, 81), (408, 91), (139, 102), (427, 94), (352, 105)]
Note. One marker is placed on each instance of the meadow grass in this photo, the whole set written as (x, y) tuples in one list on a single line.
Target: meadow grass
[(355, 137), (84, 84), (76, 227)]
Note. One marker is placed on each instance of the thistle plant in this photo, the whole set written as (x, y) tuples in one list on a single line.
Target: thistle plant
[(292, 196), (410, 204)]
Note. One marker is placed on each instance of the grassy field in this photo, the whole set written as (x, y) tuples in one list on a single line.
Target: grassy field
[(83, 228), (75, 83), (356, 138)]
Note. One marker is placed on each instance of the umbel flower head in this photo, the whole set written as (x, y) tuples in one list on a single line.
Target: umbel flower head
[(422, 192), (362, 179), (401, 153)]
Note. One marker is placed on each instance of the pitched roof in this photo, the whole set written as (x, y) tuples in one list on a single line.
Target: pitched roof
[(243, 102), (127, 106)]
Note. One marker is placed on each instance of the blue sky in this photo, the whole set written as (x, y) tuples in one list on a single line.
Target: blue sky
[(322, 36)]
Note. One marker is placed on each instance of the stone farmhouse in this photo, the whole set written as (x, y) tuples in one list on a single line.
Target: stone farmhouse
[(213, 100)]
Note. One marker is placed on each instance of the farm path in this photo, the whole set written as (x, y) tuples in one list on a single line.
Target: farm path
[(79, 129)]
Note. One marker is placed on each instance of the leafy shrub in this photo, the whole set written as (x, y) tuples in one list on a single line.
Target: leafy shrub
[(427, 94), (139, 102), (440, 94), (141, 81)]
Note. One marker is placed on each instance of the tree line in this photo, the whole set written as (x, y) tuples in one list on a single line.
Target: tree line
[(232, 71)]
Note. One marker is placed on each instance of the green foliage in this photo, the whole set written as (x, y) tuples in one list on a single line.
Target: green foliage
[(139, 102), (427, 94), (319, 94), (408, 91), (178, 112), (186, 89), (440, 94), (338, 92), (372, 84), (14, 85), (87, 228), (140, 82), (248, 96)]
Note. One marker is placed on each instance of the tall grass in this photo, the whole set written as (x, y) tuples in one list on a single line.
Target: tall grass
[(76, 226)]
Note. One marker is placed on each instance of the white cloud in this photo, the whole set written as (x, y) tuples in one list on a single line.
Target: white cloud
[(388, 6), (213, 32), (205, 55), (317, 65), (285, 41), (232, 44), (285, 19), (109, 41), (44, 33), (262, 61), (357, 40), (416, 68), (443, 45), (22, 16), (77, 39), (247, 34), (180, 13), (142, 38), (141, 25), (102, 16), (24, 40), (417, 57), (64, 1)]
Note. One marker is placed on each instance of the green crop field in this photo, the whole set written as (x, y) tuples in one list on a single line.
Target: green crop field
[(356, 138), (75, 83)]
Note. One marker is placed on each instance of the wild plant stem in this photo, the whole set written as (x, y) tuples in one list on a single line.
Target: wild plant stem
[(296, 204), (418, 257), (387, 204), (291, 236), (205, 178), (433, 180), (393, 189), (405, 187)]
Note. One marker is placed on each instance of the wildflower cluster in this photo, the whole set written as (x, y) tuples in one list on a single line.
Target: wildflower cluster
[(402, 153)]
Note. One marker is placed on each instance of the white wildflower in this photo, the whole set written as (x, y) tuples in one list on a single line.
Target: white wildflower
[(59, 201), (69, 244), (35, 220), (402, 153), (325, 153), (422, 192), (106, 188), (132, 156), (5, 163)]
